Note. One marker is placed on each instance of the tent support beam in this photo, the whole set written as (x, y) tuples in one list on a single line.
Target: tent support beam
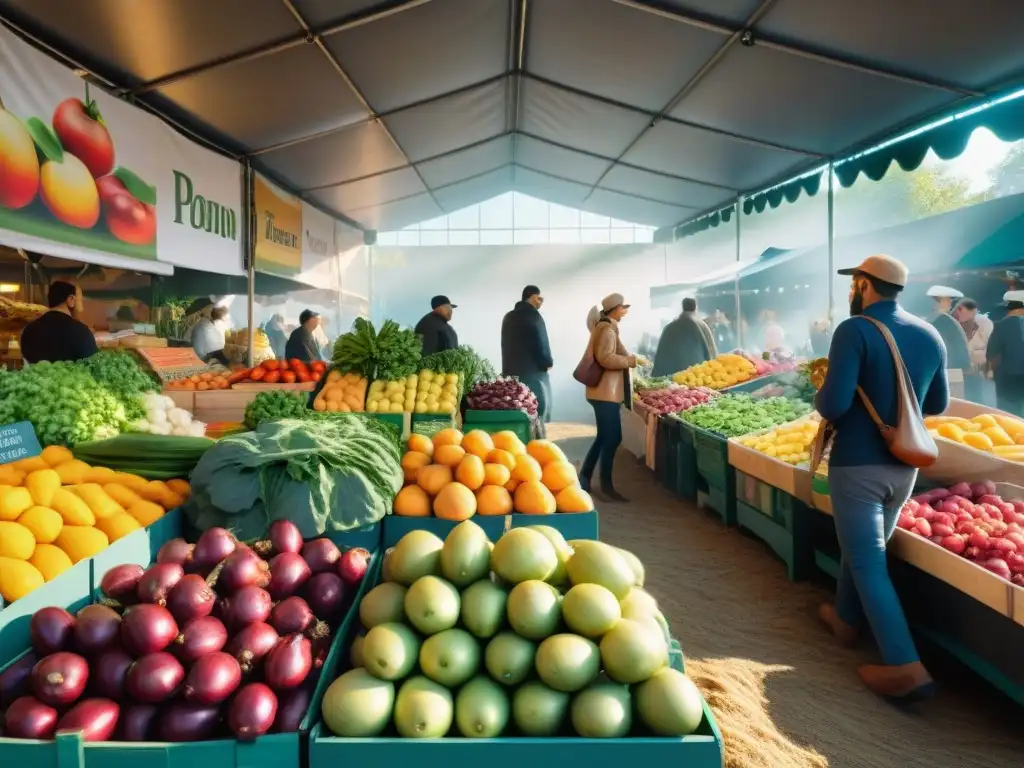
[(838, 61), (517, 63), (688, 86), (308, 36), (318, 41)]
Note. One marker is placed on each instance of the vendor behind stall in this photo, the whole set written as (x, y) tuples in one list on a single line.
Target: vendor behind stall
[(302, 344), (208, 335), (1006, 355), (58, 335)]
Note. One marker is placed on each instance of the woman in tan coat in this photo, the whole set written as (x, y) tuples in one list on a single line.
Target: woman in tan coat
[(609, 394)]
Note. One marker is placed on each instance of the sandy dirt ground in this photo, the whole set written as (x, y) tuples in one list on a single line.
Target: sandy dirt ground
[(784, 694)]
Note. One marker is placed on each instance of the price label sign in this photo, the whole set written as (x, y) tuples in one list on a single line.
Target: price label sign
[(18, 441)]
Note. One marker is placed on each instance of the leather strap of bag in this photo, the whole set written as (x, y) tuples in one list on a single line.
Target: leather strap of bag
[(903, 393)]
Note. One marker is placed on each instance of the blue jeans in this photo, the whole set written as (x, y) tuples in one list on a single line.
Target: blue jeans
[(609, 436), (866, 503)]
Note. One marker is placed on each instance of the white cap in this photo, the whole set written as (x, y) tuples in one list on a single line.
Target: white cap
[(944, 292), (1017, 296)]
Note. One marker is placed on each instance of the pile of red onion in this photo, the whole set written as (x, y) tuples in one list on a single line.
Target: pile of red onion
[(502, 394), (209, 641)]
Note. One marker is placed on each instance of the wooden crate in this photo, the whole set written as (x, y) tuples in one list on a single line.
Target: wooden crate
[(222, 405)]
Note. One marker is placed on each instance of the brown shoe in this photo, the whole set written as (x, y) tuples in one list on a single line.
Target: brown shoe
[(905, 684), (842, 631)]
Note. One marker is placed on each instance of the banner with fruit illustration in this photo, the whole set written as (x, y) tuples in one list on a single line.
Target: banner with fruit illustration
[(88, 177)]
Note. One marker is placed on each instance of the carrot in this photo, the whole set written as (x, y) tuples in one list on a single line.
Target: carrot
[(257, 374), (241, 375)]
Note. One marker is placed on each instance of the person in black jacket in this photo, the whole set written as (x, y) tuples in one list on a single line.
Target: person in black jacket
[(686, 341), (301, 344), (435, 328), (525, 352)]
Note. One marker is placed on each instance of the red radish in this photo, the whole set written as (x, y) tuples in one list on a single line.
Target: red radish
[(325, 594), (941, 529), (51, 630), (147, 629), (983, 488), (906, 522), (1016, 562), (242, 568), (14, 681), (1016, 538), (997, 566), (288, 664), (1003, 545), (291, 709), (157, 582), (176, 551), (247, 605), (94, 719), (200, 637), (213, 546), (97, 627), (121, 581), (288, 573), (978, 538), (29, 718), (109, 673), (184, 721), (253, 711), (252, 644), (285, 537), (1018, 579), (955, 544), (923, 528), (961, 489), (212, 679), (972, 553), (353, 565), (138, 722), (155, 678), (60, 678), (291, 615), (191, 598), (322, 555)]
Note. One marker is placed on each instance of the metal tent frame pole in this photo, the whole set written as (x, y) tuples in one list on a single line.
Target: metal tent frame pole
[(738, 212), (831, 246), (249, 199)]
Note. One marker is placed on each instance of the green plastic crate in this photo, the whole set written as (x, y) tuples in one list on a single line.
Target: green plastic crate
[(755, 493), (572, 525), (499, 421), (713, 457), (786, 528), (288, 750), (688, 482), (721, 501), (72, 587), (700, 750)]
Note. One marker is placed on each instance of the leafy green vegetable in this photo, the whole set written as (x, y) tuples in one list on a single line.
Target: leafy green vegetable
[(735, 415), (121, 373), (330, 474), (390, 354), (273, 405), (473, 367), (64, 403)]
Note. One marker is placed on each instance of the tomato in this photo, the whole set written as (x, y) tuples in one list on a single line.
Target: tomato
[(241, 375), (319, 366), (296, 363), (302, 377), (272, 377), (271, 365), (288, 377), (257, 374)]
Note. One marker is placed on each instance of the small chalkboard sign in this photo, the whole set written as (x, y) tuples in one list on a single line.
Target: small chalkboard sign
[(18, 441)]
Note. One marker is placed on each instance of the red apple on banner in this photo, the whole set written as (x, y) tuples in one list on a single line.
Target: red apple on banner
[(129, 219), (81, 131)]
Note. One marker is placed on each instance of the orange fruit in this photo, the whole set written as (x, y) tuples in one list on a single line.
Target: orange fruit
[(496, 474), (573, 499), (412, 501), (412, 463), (433, 477), (447, 436), (493, 500), (449, 455), (533, 498), (545, 451), (527, 469), (558, 475), (508, 441), (503, 457), (420, 443), (470, 472), (478, 443), (455, 502)]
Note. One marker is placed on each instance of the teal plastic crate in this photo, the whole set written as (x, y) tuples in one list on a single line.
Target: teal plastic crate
[(72, 587), (786, 528), (688, 482), (286, 750), (499, 421), (572, 525), (721, 501), (666, 456), (700, 750)]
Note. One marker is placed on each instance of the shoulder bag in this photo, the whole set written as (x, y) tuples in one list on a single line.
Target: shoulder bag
[(589, 372), (908, 440)]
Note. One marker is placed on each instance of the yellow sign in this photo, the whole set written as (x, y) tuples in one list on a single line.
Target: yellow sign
[(278, 230)]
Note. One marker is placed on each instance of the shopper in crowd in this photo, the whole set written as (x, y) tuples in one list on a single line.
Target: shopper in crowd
[(435, 327), (277, 335), (302, 343), (525, 351), (722, 331), (686, 341), (606, 350), (323, 341), (1005, 355), (868, 485), (58, 335), (821, 337), (977, 328), (949, 329), (773, 334), (209, 335)]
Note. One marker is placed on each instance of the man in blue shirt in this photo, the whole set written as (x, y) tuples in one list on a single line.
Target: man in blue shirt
[(867, 483)]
